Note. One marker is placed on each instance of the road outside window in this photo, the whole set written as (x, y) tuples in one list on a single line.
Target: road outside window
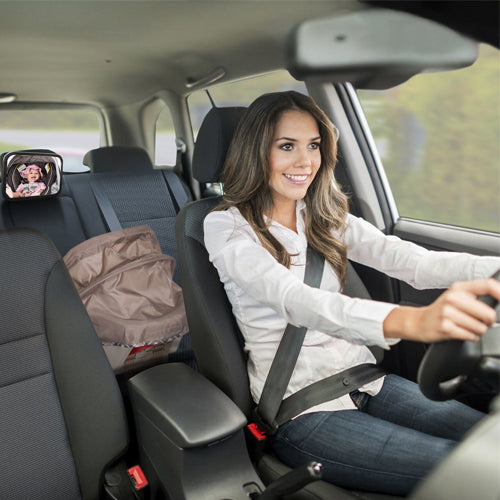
[(438, 139), (68, 132)]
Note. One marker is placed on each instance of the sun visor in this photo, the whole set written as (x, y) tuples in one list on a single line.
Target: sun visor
[(375, 49), (31, 174)]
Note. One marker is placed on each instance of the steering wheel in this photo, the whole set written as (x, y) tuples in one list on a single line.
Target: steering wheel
[(448, 366)]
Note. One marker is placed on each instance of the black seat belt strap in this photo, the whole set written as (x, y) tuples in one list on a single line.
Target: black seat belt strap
[(107, 210), (175, 187), (328, 389), (288, 351), (272, 411)]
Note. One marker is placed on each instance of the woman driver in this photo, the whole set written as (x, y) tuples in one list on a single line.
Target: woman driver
[(280, 196)]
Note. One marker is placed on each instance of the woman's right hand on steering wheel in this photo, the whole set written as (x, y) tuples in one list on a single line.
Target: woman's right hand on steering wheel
[(456, 314)]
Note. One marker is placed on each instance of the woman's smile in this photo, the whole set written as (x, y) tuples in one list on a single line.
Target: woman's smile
[(297, 179)]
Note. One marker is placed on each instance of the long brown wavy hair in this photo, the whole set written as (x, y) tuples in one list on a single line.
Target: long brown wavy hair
[(246, 174)]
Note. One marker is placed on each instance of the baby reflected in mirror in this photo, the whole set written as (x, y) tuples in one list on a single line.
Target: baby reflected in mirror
[(31, 184)]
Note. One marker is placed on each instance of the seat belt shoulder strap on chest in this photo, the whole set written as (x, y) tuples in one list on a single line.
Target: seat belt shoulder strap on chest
[(272, 411)]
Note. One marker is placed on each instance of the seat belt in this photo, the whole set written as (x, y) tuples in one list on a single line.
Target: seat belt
[(272, 411), (328, 389), (107, 210), (175, 187)]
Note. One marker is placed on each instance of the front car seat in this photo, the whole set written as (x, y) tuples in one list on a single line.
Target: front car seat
[(62, 421), (217, 341)]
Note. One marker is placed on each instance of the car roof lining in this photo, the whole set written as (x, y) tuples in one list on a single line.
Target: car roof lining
[(118, 52)]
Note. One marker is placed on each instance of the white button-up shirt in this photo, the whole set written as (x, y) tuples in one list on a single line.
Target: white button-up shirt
[(265, 295)]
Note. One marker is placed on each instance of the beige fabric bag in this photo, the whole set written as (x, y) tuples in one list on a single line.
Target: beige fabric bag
[(126, 284)]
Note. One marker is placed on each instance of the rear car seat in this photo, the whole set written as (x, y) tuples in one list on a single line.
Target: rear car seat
[(136, 192), (57, 217)]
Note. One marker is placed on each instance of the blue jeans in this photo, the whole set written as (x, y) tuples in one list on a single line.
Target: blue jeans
[(391, 442)]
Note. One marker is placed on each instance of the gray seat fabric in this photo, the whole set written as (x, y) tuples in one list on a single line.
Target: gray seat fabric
[(57, 217), (137, 198), (62, 421), (216, 338), (138, 193)]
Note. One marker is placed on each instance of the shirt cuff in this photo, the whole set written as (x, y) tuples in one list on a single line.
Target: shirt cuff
[(485, 267)]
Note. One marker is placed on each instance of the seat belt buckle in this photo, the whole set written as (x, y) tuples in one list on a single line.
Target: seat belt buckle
[(137, 477), (257, 432), (267, 428)]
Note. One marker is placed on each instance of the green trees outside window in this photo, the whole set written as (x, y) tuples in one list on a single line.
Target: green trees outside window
[(438, 136)]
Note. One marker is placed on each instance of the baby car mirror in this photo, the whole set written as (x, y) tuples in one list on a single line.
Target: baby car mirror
[(31, 174)]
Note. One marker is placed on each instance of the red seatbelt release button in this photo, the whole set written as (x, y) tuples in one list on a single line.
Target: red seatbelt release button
[(137, 477), (258, 433)]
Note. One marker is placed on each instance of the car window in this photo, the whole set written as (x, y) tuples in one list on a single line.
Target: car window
[(438, 138), (68, 132), (239, 93), (165, 148)]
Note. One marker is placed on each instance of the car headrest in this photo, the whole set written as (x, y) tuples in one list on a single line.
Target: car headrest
[(118, 159), (212, 143)]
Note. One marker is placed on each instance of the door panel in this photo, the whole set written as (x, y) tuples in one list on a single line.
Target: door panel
[(441, 237)]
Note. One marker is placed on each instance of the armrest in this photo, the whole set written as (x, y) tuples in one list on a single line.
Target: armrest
[(184, 405)]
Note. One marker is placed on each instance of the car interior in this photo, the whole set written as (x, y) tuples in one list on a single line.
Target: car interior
[(71, 427)]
